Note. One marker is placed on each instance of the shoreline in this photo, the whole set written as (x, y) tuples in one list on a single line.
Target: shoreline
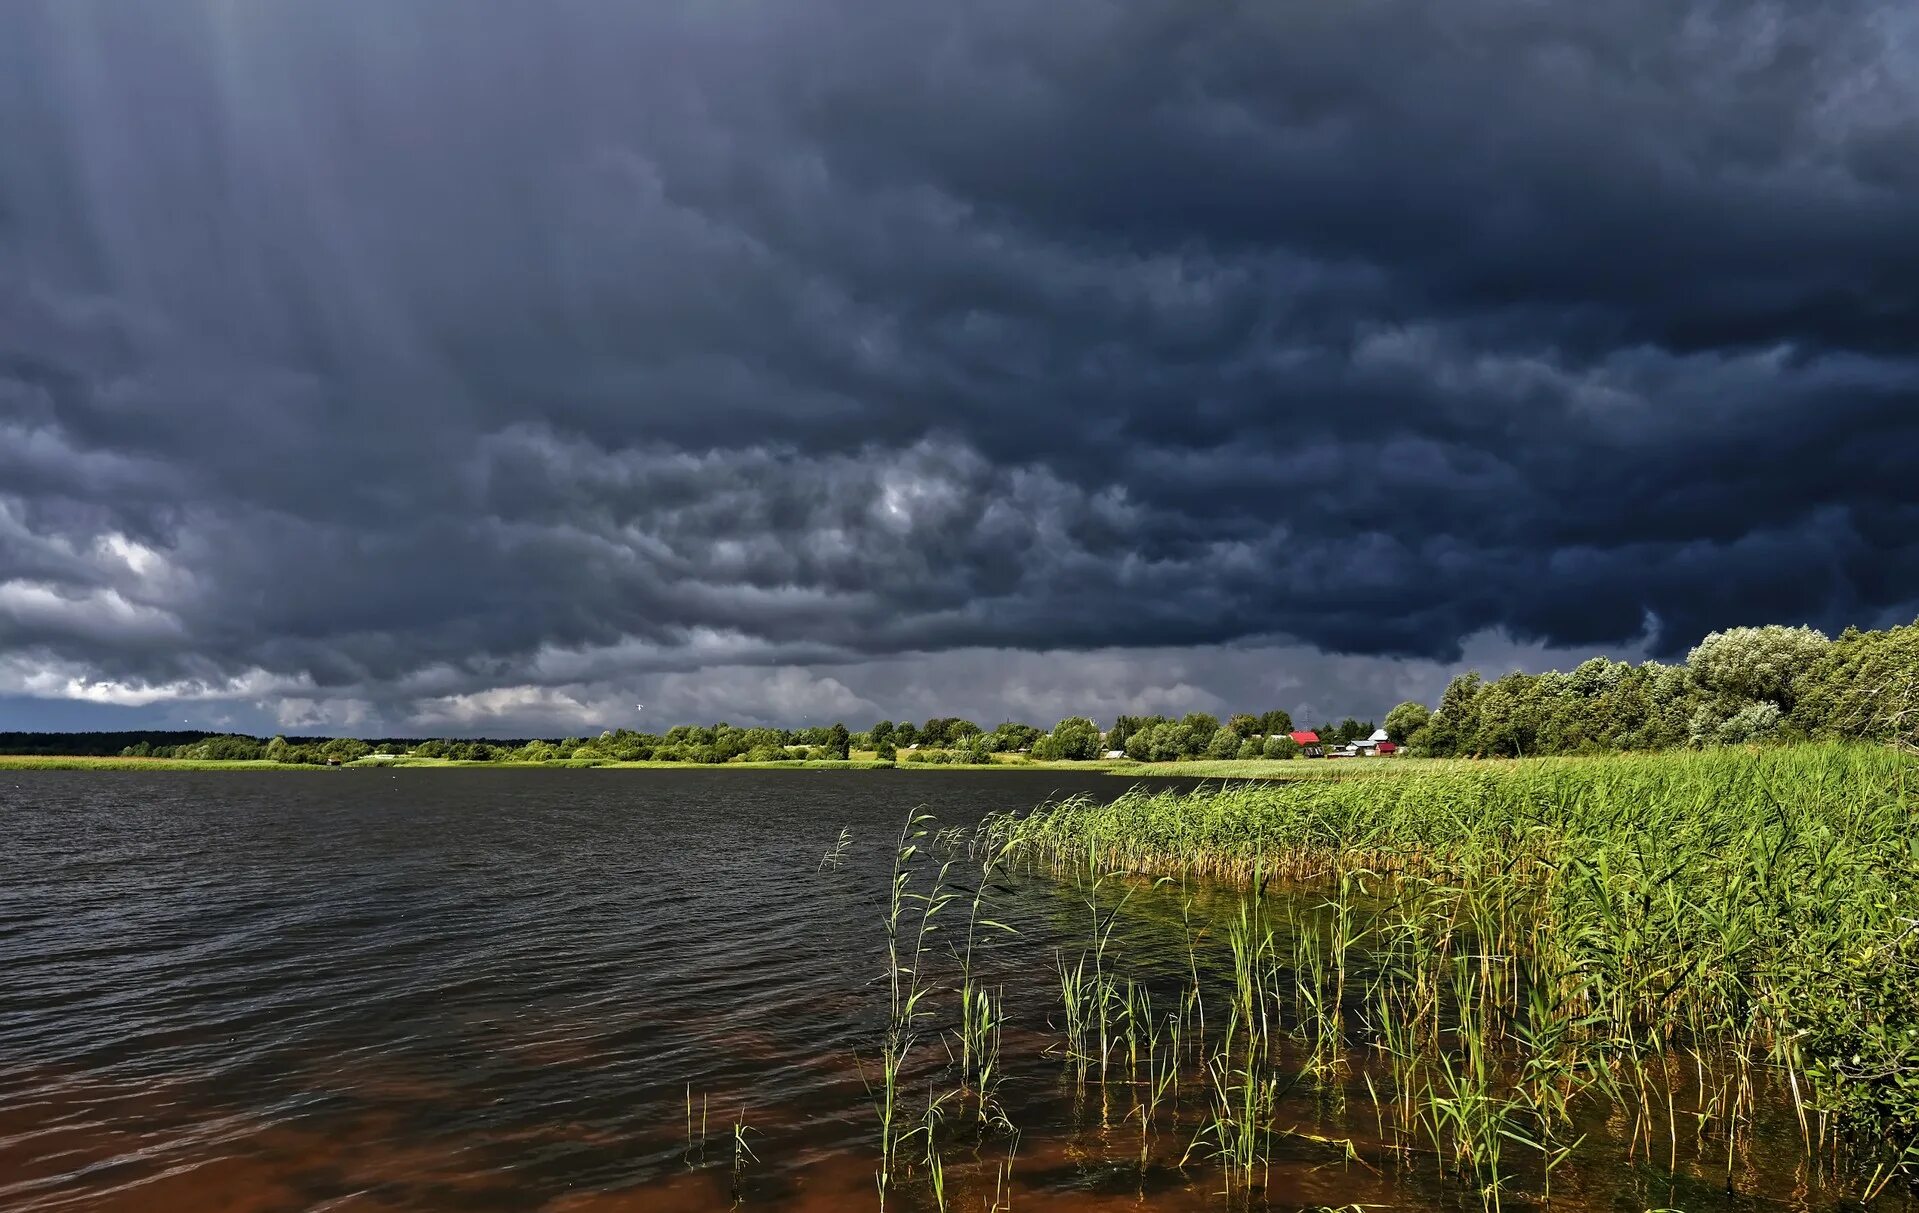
[(1266, 769)]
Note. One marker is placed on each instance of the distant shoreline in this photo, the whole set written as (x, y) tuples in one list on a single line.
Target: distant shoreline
[(1197, 769)]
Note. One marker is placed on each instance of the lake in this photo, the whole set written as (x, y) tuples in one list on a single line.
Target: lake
[(563, 990)]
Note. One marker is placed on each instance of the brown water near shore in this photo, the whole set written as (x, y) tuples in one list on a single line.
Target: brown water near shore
[(496, 990)]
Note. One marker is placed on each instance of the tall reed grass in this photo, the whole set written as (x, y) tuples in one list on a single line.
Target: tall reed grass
[(1504, 942)]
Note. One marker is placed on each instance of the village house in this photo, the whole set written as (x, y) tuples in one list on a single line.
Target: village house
[(1308, 742), (1376, 745)]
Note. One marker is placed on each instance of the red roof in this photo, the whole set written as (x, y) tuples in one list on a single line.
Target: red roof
[(1306, 738), (1387, 747)]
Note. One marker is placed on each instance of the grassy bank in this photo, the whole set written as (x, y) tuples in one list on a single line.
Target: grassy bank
[(797, 764), (50, 762), (1667, 934)]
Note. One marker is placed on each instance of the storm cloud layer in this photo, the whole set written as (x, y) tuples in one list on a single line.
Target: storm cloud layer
[(462, 366)]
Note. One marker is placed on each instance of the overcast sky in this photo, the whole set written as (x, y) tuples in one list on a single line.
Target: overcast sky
[(441, 367)]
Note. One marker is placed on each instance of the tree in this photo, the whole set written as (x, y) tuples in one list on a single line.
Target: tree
[(1275, 721), (1224, 743), (839, 744), (1597, 675), (1454, 727), (882, 734), (1075, 739), (1754, 664), (1201, 724), (1405, 720), (1174, 741), (346, 749), (1754, 722), (946, 730), (1278, 745), (1013, 736), (1509, 717), (1141, 742), (1243, 725), (1866, 687)]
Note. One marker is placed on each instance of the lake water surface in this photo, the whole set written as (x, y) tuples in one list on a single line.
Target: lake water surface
[(500, 990)]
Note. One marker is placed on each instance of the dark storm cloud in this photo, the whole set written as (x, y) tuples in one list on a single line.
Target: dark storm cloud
[(388, 355)]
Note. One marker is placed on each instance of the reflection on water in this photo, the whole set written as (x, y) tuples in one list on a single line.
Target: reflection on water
[(481, 990)]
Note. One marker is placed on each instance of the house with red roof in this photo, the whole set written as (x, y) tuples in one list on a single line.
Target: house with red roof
[(1378, 743), (1308, 743)]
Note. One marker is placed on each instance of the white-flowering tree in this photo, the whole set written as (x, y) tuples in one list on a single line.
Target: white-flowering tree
[(1754, 722), (1757, 664)]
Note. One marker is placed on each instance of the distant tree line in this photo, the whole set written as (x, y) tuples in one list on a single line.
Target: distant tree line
[(95, 745), (1743, 685), (1739, 686), (940, 740)]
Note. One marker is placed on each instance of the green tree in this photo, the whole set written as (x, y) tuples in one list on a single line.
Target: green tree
[(1012, 736), (1865, 687), (1275, 721), (1406, 719), (1075, 739), (1141, 742), (1224, 743), (1278, 745), (1754, 722), (1176, 740), (1202, 723), (973, 748), (346, 749), (1755, 664), (839, 744), (1455, 723)]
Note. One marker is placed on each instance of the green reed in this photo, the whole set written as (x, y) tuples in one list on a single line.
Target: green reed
[(836, 854), (938, 995), (981, 1011), (742, 1153), (1669, 935), (911, 920), (691, 1141)]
